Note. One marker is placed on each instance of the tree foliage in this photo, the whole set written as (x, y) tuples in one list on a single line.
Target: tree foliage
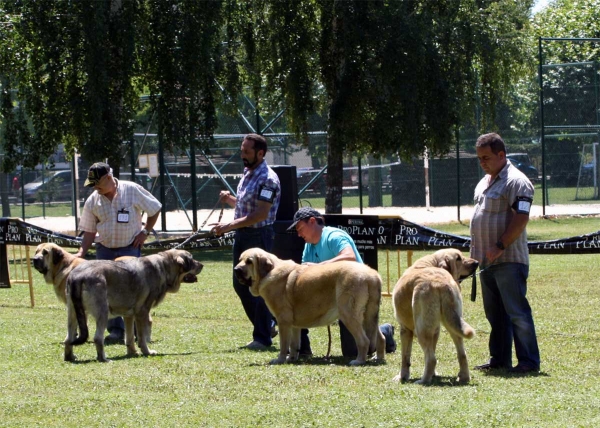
[(390, 76)]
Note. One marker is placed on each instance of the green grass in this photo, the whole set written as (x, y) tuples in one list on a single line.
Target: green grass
[(202, 378)]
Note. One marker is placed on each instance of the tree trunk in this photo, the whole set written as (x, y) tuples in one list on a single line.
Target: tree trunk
[(333, 198)]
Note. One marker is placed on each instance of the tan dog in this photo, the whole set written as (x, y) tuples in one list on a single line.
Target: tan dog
[(427, 295), (129, 288), (55, 264), (302, 296)]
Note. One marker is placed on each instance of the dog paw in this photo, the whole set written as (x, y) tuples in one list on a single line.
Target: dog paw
[(400, 378), (463, 379), (104, 360), (356, 363), (423, 382), (277, 361)]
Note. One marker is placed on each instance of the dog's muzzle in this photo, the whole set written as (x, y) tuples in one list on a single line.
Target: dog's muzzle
[(38, 264), (241, 276)]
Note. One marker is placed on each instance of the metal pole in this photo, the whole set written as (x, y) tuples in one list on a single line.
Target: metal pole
[(542, 139), (161, 177), (458, 174), (193, 173), (360, 201)]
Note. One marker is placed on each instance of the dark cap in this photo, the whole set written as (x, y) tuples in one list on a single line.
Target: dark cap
[(303, 213), (95, 173)]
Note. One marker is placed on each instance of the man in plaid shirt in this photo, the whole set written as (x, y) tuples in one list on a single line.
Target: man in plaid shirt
[(503, 199), (256, 203), (114, 212)]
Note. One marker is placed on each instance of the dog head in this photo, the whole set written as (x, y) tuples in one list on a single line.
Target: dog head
[(254, 265), (459, 266), (46, 257), (188, 267)]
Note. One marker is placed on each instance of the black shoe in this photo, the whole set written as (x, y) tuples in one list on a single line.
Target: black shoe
[(305, 353), (488, 366), (522, 369), (116, 336), (274, 332)]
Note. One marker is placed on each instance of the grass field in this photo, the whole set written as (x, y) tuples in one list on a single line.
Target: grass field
[(200, 377)]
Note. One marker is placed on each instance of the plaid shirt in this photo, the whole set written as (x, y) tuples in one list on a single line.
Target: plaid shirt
[(493, 212), (249, 188), (100, 215)]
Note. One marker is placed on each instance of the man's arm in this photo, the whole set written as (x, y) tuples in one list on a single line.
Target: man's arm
[(86, 243), (141, 237), (260, 214), (514, 229), (346, 254)]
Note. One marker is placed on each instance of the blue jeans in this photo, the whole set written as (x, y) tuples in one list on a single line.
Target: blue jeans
[(255, 307), (105, 253), (504, 289)]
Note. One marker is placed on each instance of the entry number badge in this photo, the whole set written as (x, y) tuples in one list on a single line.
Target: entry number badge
[(123, 216), (266, 194)]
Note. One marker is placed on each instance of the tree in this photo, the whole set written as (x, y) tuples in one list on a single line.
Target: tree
[(400, 76)]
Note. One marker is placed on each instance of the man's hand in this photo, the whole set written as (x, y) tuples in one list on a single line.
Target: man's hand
[(139, 239), (220, 228), (225, 197)]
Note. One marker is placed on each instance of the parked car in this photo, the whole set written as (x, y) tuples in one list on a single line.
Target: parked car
[(57, 186), (523, 163)]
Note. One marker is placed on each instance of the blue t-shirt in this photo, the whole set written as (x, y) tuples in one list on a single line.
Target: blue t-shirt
[(332, 242)]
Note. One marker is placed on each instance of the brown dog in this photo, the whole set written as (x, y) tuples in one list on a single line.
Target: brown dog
[(55, 264), (425, 296), (302, 296), (129, 288)]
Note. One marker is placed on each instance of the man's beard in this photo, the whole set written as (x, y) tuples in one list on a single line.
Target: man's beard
[(248, 164)]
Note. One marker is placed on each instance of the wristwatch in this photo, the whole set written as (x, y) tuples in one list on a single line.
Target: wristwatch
[(500, 245), (145, 232)]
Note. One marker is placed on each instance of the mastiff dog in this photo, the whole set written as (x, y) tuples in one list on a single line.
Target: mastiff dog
[(303, 296), (426, 295), (129, 288), (55, 264)]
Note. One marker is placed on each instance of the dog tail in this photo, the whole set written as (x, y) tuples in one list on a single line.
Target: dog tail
[(74, 287), (452, 313)]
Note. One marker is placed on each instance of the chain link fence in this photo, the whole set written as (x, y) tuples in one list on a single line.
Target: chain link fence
[(563, 165)]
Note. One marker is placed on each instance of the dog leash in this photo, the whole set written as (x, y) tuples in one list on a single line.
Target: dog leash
[(474, 282), (199, 231)]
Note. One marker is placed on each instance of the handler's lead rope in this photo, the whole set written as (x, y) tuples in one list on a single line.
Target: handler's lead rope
[(199, 231)]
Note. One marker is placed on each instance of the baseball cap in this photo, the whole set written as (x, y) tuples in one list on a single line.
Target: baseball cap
[(303, 214), (95, 173)]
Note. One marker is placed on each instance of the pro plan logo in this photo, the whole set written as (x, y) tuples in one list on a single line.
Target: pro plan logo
[(356, 221)]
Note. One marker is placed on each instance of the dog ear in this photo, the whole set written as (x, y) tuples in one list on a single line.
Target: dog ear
[(184, 263), (57, 256), (265, 265)]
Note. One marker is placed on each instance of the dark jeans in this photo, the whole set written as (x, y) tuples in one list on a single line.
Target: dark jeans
[(105, 253), (504, 289), (255, 307)]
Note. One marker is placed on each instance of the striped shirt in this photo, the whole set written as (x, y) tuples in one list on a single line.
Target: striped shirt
[(100, 214), (493, 212), (261, 183)]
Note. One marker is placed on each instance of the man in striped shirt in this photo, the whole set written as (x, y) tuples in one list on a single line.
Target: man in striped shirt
[(256, 203), (503, 199)]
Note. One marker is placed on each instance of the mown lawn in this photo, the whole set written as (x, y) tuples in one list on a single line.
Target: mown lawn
[(201, 377)]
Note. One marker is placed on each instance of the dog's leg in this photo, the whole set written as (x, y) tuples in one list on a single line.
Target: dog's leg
[(149, 329), (130, 336), (101, 323), (71, 333), (406, 342), (355, 327), (294, 345), (141, 322), (285, 332), (428, 341), (463, 374)]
